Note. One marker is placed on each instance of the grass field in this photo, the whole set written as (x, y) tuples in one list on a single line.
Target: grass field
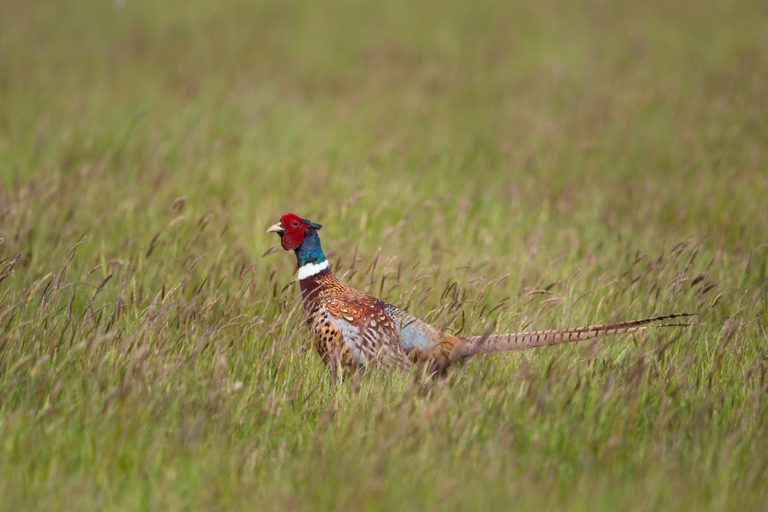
[(486, 164)]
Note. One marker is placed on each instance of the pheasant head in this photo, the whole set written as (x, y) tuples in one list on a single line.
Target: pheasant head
[(300, 235)]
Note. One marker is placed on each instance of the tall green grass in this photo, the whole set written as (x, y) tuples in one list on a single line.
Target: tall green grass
[(486, 164)]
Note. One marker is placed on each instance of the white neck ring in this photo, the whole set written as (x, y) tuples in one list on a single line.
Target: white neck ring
[(312, 269)]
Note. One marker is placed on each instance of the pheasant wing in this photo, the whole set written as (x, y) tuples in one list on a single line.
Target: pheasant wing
[(367, 328)]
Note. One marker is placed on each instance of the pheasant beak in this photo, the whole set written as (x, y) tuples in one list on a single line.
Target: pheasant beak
[(276, 228)]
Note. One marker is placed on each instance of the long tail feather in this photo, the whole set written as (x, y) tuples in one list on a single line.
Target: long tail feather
[(492, 343)]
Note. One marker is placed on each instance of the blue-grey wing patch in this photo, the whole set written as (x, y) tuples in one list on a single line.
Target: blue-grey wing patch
[(414, 333)]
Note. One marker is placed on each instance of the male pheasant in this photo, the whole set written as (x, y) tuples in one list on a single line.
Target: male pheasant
[(351, 329)]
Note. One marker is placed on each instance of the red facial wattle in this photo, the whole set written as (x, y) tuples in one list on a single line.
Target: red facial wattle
[(292, 238), (294, 228)]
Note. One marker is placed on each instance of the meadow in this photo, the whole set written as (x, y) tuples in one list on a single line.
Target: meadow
[(488, 165)]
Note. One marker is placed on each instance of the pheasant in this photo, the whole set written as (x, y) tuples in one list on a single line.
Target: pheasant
[(351, 329)]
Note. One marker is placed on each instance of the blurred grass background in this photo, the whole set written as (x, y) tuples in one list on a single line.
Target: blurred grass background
[(506, 164)]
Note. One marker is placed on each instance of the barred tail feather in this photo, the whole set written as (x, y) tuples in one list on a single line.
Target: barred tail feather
[(492, 343)]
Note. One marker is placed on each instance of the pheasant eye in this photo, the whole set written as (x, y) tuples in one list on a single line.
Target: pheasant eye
[(295, 223)]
